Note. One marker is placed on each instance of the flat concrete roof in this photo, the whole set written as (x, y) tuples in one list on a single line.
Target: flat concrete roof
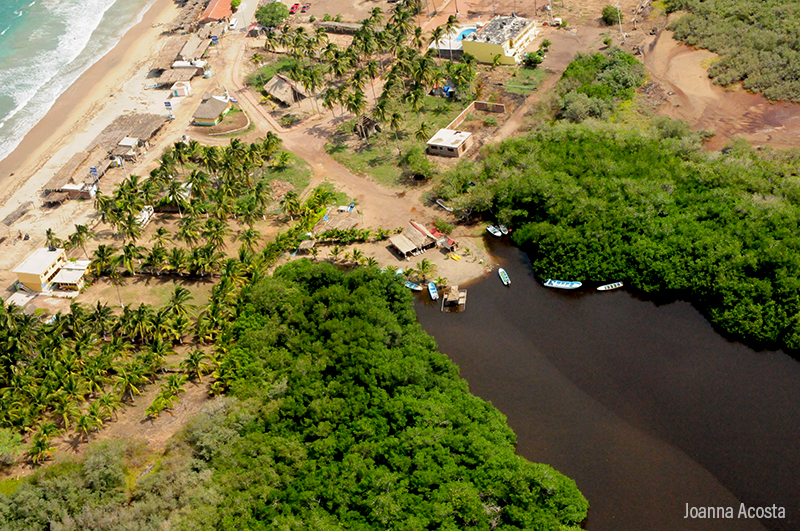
[(69, 276), (449, 138), (38, 262), (500, 29)]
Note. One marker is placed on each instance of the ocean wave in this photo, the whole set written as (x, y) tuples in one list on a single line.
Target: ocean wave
[(79, 37)]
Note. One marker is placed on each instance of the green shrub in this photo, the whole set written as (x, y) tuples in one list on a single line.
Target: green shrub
[(235, 5), (10, 446), (443, 226), (491, 121), (611, 15)]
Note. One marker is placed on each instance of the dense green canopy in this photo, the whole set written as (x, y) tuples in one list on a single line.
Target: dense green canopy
[(603, 202), (345, 417)]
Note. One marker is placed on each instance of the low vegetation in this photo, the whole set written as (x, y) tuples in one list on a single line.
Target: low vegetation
[(756, 40), (594, 84), (342, 414)]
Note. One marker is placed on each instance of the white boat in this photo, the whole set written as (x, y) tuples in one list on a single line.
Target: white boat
[(433, 291), (504, 276), (562, 284), (609, 287), (494, 231), (503, 229)]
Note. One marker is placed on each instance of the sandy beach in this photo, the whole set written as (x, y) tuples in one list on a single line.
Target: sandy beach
[(79, 104)]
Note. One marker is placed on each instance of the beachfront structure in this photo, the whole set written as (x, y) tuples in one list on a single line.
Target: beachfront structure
[(216, 11), (341, 218), (181, 89), (449, 143), (38, 270), (506, 37), (414, 239), (193, 49), (75, 179), (284, 90), (211, 110), (140, 126)]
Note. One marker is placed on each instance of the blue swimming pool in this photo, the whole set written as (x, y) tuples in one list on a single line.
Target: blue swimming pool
[(464, 33)]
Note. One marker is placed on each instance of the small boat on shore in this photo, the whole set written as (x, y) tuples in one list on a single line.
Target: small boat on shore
[(504, 276), (433, 291), (455, 257), (494, 231), (414, 287), (444, 206), (609, 287), (503, 230), (562, 284)]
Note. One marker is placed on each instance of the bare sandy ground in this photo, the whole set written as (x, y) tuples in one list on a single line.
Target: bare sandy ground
[(730, 112)]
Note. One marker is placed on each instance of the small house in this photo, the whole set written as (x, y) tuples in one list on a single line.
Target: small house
[(414, 239), (211, 110), (503, 37), (365, 126), (449, 143), (38, 270), (70, 276), (284, 90), (181, 89)]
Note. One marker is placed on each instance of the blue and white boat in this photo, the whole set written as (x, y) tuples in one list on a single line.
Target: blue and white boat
[(433, 291), (609, 287), (410, 285), (561, 284), (504, 276)]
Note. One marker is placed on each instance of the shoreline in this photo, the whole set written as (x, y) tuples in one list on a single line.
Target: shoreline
[(79, 104)]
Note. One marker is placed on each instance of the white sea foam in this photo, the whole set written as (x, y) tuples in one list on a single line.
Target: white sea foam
[(77, 40)]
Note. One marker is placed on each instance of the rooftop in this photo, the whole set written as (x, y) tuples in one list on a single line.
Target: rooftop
[(216, 10), (38, 262), (137, 125), (211, 108), (449, 138), (500, 29)]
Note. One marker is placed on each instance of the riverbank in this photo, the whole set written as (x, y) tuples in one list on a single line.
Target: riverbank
[(77, 107)]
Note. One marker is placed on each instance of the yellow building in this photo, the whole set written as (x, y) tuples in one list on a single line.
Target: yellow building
[(38, 270), (504, 36)]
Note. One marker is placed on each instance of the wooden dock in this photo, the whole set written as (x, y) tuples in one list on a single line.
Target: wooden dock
[(454, 300)]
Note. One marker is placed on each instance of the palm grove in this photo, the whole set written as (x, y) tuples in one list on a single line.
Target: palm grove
[(383, 50)]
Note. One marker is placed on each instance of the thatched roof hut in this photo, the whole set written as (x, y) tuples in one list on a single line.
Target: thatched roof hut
[(284, 90)]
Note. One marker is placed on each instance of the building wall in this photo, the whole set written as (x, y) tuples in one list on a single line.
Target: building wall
[(445, 151), (40, 283)]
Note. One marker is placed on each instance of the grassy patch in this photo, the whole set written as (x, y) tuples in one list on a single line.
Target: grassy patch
[(526, 80), (259, 77), (380, 158), (297, 172), (9, 486)]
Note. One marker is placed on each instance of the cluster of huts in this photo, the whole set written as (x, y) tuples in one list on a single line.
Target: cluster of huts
[(125, 139)]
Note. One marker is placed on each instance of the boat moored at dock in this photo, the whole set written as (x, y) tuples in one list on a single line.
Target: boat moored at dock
[(494, 231), (414, 287), (609, 287), (433, 291)]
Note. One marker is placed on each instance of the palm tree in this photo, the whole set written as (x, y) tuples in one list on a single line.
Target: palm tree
[(40, 449), (79, 238), (115, 276), (426, 269), (422, 133), (451, 23), (102, 259), (86, 423), (176, 195), (161, 237), (250, 238), (102, 319), (51, 240), (335, 252), (290, 204), (357, 256), (178, 302), (371, 262), (177, 259), (131, 252), (189, 230), (127, 379), (396, 122), (194, 365), (110, 403)]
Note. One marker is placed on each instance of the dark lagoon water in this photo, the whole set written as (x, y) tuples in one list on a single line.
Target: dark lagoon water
[(645, 406)]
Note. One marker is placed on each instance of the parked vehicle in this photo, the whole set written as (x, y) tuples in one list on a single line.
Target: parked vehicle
[(305, 8), (233, 24), (293, 9)]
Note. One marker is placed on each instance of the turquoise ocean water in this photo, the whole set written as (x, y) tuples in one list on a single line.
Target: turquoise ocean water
[(45, 45)]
